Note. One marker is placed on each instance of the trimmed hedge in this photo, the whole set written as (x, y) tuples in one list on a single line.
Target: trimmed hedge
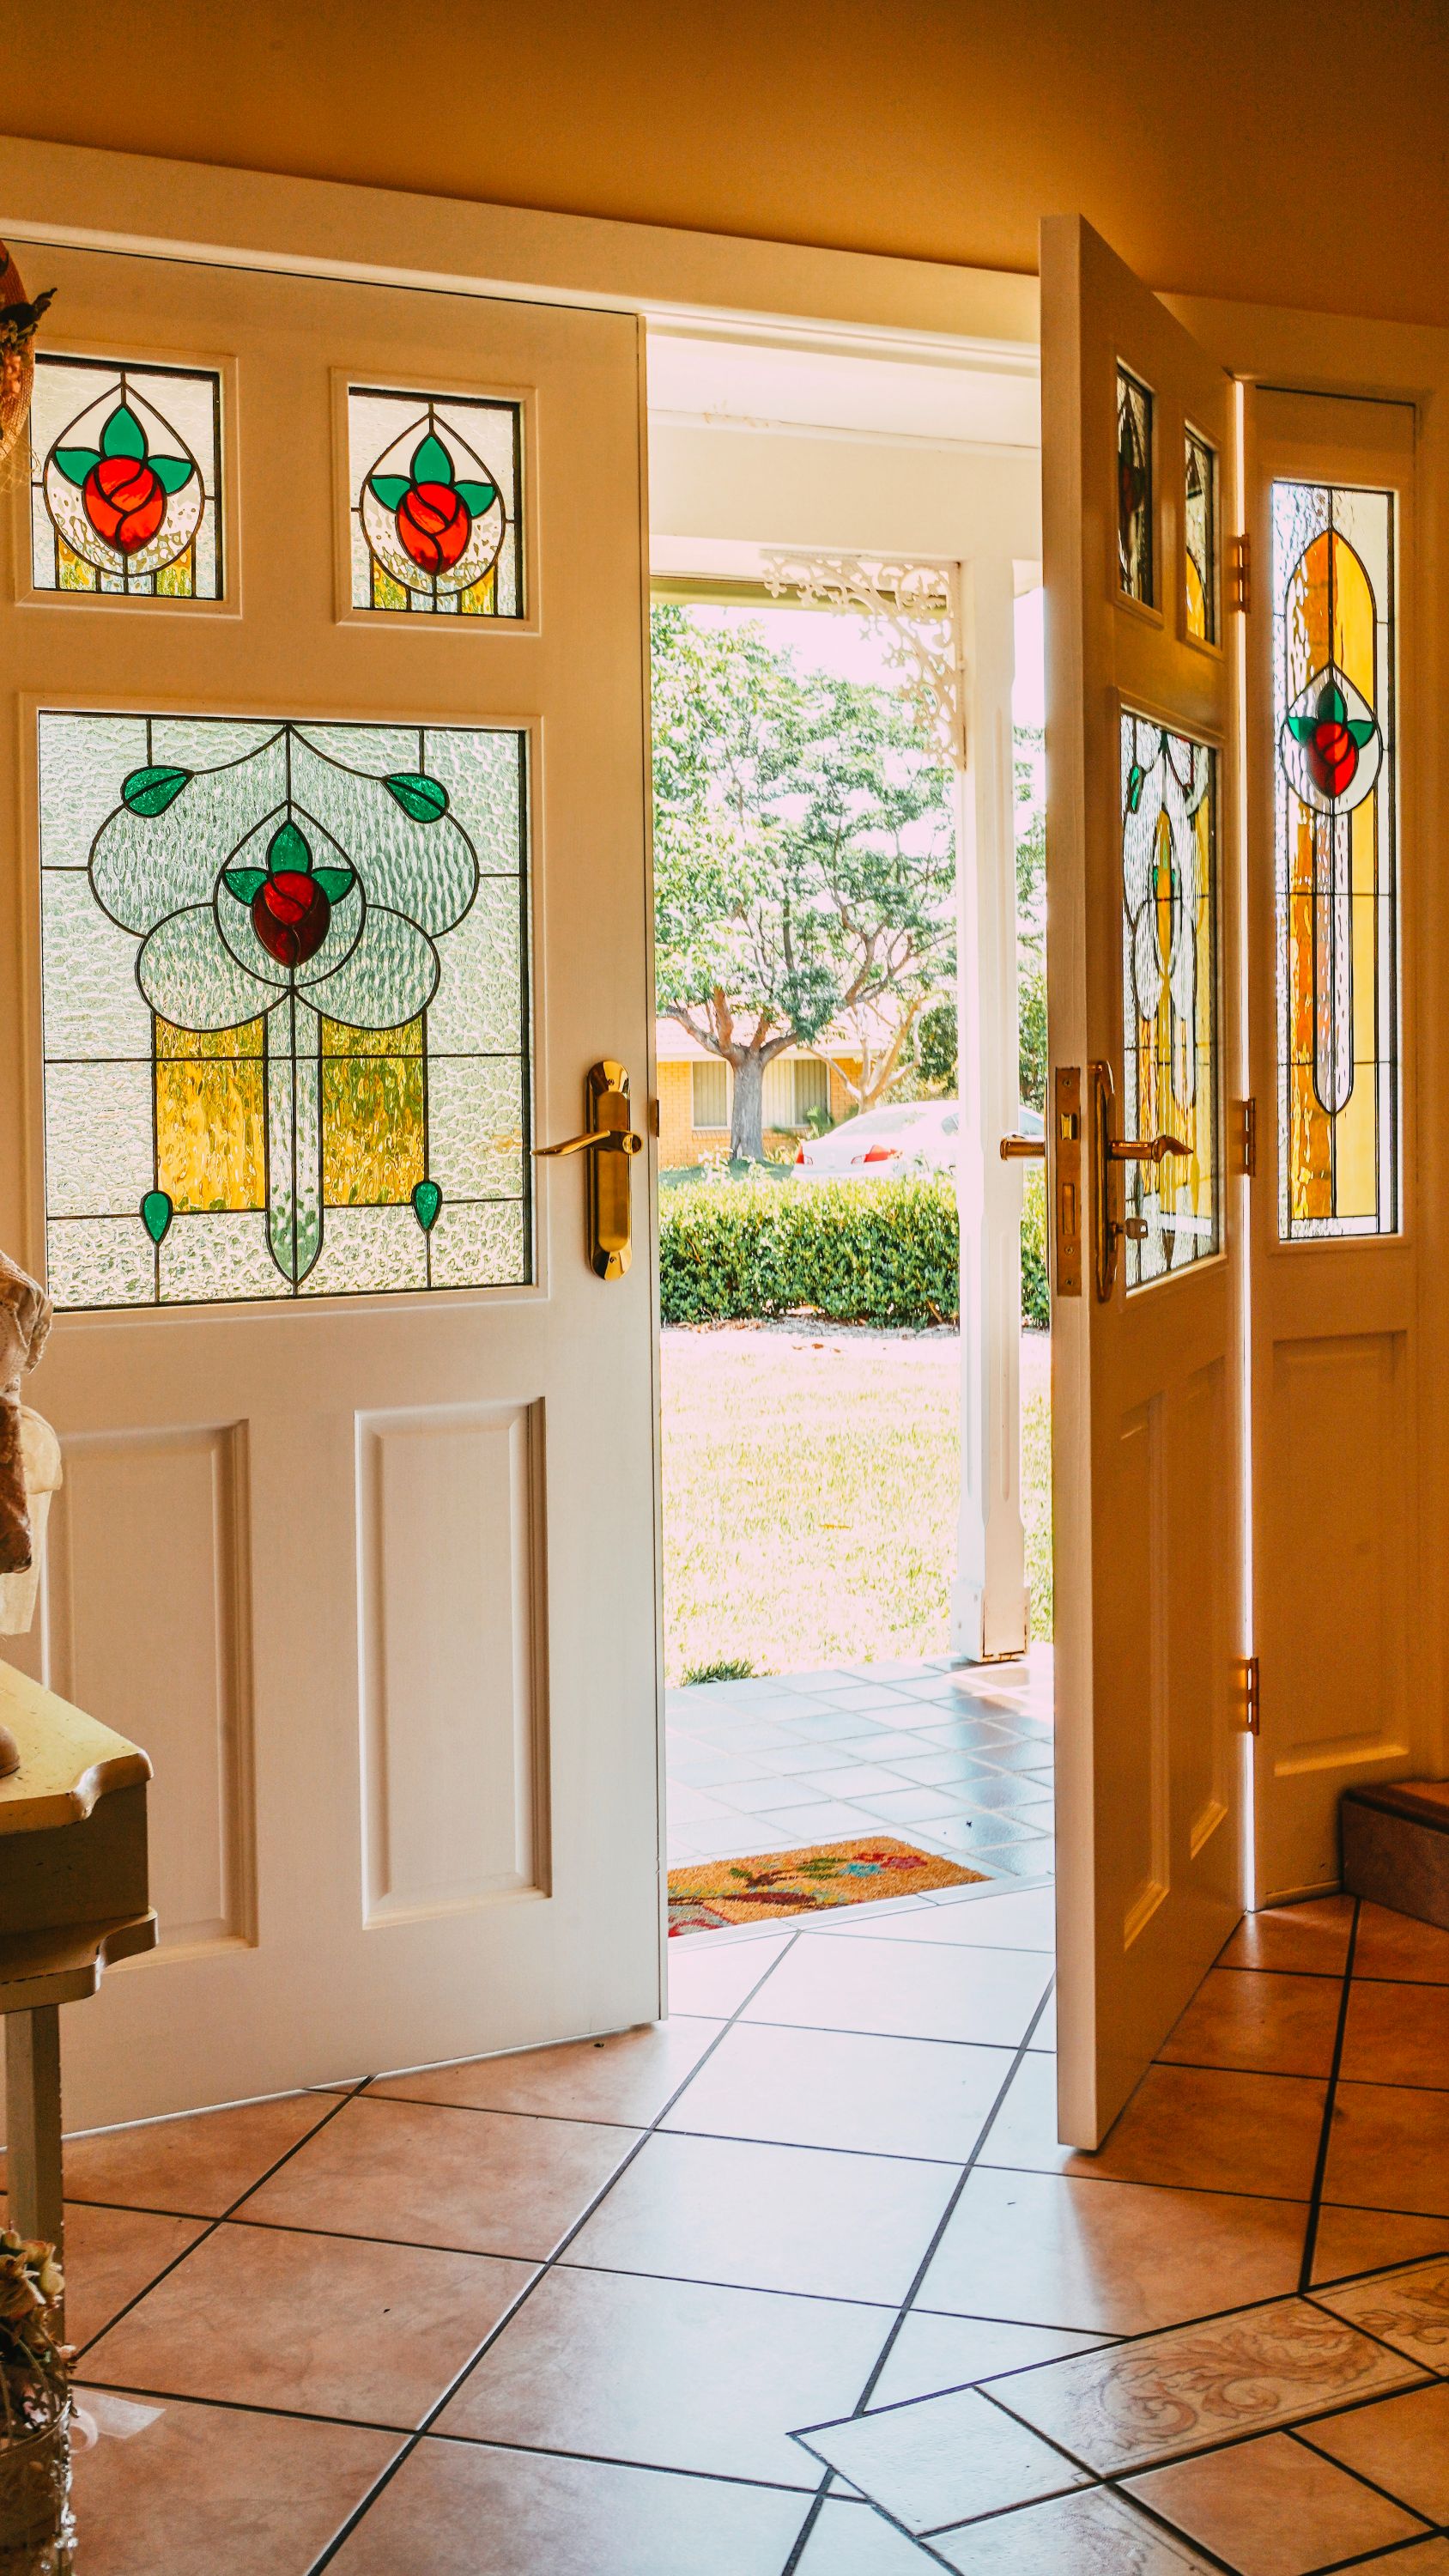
[(853, 1252), (1035, 1294)]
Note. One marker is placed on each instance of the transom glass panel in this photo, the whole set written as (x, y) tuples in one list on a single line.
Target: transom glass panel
[(1200, 523), (1170, 941), (125, 479), (1336, 889), (285, 982), (1134, 488), (434, 503)]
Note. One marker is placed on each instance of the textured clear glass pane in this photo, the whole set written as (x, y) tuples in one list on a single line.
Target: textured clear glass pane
[(1335, 861), (433, 503), (125, 480), (285, 1007), (476, 1127), (485, 1245), (1135, 567), (1201, 533), (1170, 946)]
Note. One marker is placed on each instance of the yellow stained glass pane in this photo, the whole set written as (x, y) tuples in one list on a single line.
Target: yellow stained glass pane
[(178, 580), (211, 1116), (73, 572), (373, 1115)]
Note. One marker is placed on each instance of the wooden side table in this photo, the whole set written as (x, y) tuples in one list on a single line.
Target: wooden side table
[(73, 1897)]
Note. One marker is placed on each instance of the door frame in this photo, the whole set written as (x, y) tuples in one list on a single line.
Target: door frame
[(70, 194)]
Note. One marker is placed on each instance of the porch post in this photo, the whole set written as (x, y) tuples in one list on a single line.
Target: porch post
[(989, 1597)]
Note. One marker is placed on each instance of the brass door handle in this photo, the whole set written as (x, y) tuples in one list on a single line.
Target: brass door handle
[(1023, 1149), (607, 1109), (1146, 1149)]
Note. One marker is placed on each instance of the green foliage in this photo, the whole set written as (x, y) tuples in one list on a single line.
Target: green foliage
[(880, 1252), (725, 1668), (936, 1033), (853, 1252), (1035, 1297), (804, 855), (1031, 914)]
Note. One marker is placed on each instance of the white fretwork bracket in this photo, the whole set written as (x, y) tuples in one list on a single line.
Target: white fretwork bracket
[(917, 604)]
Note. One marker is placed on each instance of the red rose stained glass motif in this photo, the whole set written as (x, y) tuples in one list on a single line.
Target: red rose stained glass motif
[(435, 523), (125, 497)]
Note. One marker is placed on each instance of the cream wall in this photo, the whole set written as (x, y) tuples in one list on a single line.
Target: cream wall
[(855, 494), (1243, 148)]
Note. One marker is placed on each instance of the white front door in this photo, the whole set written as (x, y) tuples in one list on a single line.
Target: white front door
[(325, 649), (1143, 851)]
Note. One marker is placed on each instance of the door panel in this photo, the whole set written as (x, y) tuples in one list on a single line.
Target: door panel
[(1335, 1261), (369, 1565), (1139, 471)]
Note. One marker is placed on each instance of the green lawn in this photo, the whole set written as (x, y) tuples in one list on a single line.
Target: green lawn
[(810, 1487)]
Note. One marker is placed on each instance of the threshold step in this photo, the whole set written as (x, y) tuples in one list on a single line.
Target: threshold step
[(1395, 1838)]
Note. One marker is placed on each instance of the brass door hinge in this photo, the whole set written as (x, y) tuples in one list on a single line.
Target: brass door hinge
[(1246, 1141), (1249, 1693), (1240, 574)]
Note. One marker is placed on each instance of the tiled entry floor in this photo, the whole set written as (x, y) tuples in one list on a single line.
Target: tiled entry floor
[(570, 2313), (956, 1758)]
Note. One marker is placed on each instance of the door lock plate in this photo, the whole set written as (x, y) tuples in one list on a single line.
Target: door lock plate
[(1067, 1166)]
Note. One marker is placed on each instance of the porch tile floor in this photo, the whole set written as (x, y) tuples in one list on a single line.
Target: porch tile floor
[(954, 1757), (801, 2284)]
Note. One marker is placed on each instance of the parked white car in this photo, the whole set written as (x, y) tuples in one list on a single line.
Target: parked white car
[(885, 1145)]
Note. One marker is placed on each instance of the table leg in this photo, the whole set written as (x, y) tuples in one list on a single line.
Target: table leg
[(32, 2111)]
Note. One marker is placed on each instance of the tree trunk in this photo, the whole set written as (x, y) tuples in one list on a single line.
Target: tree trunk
[(747, 1111)]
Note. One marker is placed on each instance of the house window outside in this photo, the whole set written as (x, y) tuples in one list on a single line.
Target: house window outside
[(794, 1086), (710, 1104), (812, 1088)]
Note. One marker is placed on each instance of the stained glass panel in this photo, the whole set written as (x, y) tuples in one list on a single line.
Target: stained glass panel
[(1170, 995), (1336, 893), (434, 503), (125, 480), (1135, 569), (285, 978), (1200, 520)]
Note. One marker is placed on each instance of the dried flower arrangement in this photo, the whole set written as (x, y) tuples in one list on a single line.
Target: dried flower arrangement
[(19, 318), (36, 2528)]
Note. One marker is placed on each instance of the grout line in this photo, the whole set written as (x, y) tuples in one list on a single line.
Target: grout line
[(922, 2268), (385, 2476), (1320, 2169), (212, 2224)]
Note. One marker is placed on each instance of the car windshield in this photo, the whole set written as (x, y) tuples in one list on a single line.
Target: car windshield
[(883, 1122)]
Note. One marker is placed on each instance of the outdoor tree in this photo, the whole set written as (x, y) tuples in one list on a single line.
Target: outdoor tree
[(936, 1035), (804, 860)]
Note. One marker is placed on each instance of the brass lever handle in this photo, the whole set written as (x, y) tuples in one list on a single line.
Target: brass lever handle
[(1146, 1149), (622, 1141), (1023, 1149)]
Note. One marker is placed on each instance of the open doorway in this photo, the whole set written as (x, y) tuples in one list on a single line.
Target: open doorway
[(833, 1726)]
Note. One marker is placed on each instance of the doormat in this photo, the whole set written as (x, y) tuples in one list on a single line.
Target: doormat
[(717, 1893)]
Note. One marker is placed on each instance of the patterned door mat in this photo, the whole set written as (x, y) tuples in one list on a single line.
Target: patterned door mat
[(716, 1893)]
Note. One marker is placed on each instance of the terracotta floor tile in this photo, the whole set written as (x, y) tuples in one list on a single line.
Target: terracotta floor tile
[(1272, 2508), (1389, 2149), (1312, 1936), (768, 2218), (1398, 2033), (944, 2459), (1398, 1945), (1253, 2371), (905, 1991), (455, 2509), (833, 2088), (1408, 2309), (1108, 2258), (167, 2489), (1363, 2240), (1258, 2022), (110, 2256), (486, 2182), (710, 1973), (853, 2540), (320, 2324), (198, 2165), (935, 2352), (627, 2077), (673, 2373), (1093, 2534), (1402, 2444), (1430, 2558), (1199, 2128)]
